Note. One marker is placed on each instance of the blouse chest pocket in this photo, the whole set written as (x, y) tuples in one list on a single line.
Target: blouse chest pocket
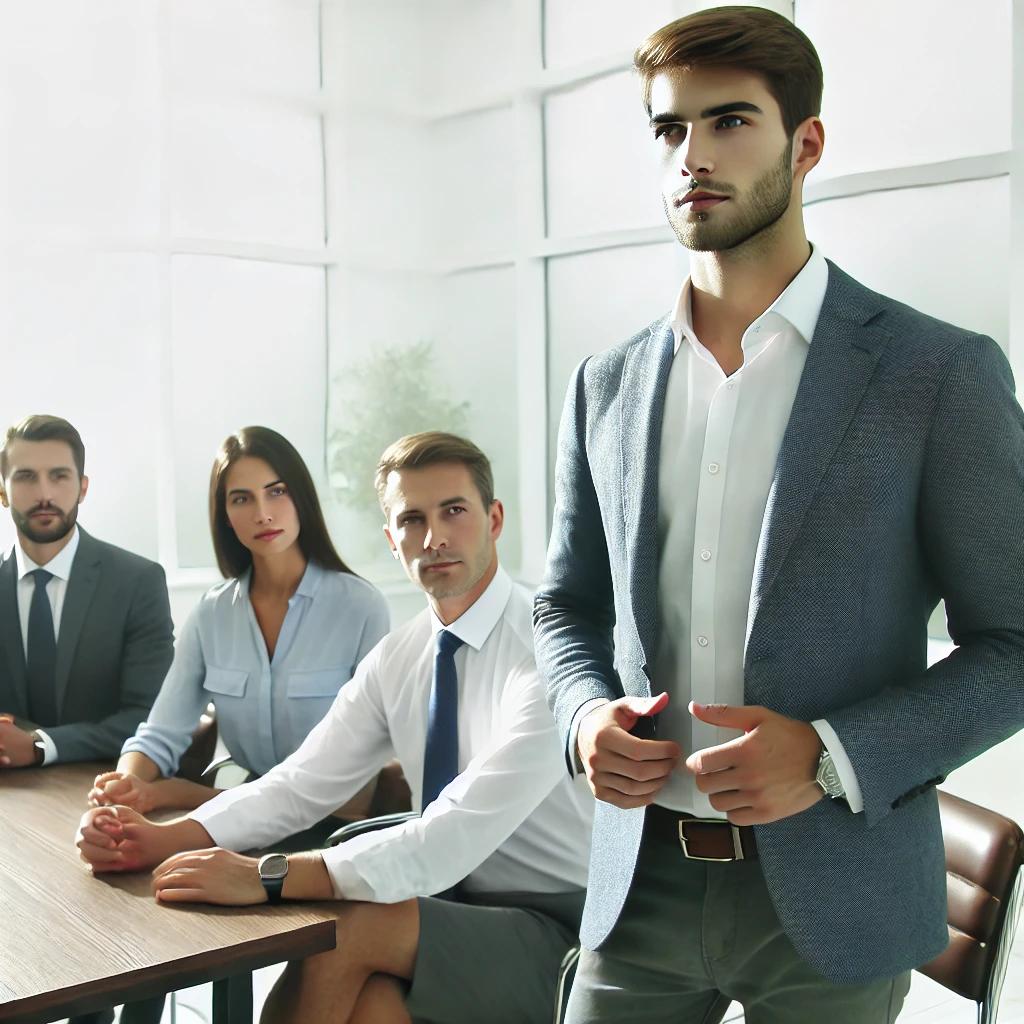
[(226, 682), (321, 683)]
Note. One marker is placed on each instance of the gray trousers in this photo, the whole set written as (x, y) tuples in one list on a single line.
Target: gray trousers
[(695, 936)]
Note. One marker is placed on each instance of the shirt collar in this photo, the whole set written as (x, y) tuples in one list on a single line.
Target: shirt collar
[(59, 565), (799, 305), (309, 584), (475, 624)]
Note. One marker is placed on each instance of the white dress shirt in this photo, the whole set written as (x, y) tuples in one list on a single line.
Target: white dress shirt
[(60, 568), (720, 440), (511, 821)]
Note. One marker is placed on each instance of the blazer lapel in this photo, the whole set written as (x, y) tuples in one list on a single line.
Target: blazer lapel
[(840, 363), (85, 574), (642, 405), (12, 646)]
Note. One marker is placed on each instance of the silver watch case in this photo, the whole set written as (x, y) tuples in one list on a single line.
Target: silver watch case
[(827, 776)]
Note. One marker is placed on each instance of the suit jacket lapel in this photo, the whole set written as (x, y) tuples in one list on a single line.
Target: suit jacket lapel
[(85, 574), (11, 643), (840, 363), (642, 405)]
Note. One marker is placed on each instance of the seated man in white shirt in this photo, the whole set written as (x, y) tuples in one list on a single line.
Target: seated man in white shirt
[(503, 837)]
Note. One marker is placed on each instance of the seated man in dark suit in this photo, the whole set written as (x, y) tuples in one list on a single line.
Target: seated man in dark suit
[(85, 628)]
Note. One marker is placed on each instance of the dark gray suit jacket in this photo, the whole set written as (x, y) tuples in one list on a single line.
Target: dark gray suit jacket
[(114, 647), (900, 480)]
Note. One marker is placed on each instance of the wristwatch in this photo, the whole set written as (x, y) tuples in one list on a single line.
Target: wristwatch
[(38, 747), (827, 776), (273, 869)]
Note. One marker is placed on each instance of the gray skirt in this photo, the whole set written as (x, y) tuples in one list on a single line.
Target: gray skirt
[(492, 957)]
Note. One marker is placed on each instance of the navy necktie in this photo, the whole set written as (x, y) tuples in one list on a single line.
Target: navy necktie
[(441, 758), (41, 656)]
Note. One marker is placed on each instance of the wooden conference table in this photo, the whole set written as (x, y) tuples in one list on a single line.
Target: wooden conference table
[(72, 943)]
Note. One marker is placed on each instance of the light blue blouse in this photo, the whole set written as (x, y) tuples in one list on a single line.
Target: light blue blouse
[(265, 707)]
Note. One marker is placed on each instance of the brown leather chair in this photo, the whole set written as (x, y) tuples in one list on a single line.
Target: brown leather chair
[(985, 888)]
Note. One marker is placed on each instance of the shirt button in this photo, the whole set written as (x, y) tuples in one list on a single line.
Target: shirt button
[(702, 641), (731, 385), (713, 467), (705, 555)]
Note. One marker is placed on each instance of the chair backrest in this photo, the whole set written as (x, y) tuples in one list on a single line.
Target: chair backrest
[(984, 854)]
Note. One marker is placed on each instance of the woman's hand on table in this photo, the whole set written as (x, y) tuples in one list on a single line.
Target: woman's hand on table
[(125, 789)]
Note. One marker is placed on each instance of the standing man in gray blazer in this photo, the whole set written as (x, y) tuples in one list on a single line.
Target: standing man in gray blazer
[(766, 493), (85, 628)]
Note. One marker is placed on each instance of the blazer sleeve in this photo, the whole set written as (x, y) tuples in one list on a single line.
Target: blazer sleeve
[(146, 654), (907, 737), (574, 609)]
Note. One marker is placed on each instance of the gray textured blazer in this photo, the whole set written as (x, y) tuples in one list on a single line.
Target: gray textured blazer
[(900, 481), (115, 645)]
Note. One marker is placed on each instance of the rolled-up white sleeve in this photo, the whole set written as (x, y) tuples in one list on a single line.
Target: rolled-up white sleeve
[(346, 749), (472, 816)]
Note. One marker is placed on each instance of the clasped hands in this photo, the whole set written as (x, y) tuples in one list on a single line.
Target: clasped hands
[(120, 839), (762, 776)]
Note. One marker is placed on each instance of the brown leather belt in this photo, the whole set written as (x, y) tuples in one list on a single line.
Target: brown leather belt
[(707, 839)]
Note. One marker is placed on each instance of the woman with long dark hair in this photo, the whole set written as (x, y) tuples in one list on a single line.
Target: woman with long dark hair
[(270, 647)]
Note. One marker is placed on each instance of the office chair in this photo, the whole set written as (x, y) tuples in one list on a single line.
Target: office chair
[(985, 888)]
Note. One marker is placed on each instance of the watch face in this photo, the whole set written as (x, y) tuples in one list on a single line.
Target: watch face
[(273, 866)]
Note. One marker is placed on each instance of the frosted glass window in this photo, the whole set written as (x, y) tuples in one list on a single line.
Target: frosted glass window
[(266, 45), (81, 141), (574, 34), (444, 360), (376, 198), (82, 341), (910, 82), (471, 196), (918, 246), (248, 348), (243, 172), (600, 159), (470, 45), (599, 299)]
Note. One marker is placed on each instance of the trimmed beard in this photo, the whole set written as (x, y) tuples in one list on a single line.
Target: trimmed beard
[(64, 525), (768, 200)]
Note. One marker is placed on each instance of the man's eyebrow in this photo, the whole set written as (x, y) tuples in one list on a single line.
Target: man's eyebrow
[(273, 483), (453, 501), (723, 108)]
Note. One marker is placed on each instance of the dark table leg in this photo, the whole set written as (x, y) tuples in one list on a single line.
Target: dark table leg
[(232, 999)]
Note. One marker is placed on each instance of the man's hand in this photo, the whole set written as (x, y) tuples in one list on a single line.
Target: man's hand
[(123, 788), (622, 769), (16, 749), (209, 876), (764, 775)]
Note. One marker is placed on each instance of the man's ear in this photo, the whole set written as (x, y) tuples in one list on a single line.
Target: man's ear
[(3, 497), (497, 518), (808, 145), (391, 541), (84, 489)]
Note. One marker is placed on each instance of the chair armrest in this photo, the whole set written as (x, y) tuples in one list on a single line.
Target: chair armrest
[(357, 828), (225, 773)]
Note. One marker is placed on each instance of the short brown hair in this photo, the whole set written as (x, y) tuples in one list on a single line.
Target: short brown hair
[(233, 557), (44, 428), (430, 448), (749, 38)]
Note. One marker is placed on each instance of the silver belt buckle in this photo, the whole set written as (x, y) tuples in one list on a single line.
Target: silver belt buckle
[(737, 845)]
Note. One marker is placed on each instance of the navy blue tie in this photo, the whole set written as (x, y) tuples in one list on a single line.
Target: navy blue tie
[(41, 656), (441, 758)]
